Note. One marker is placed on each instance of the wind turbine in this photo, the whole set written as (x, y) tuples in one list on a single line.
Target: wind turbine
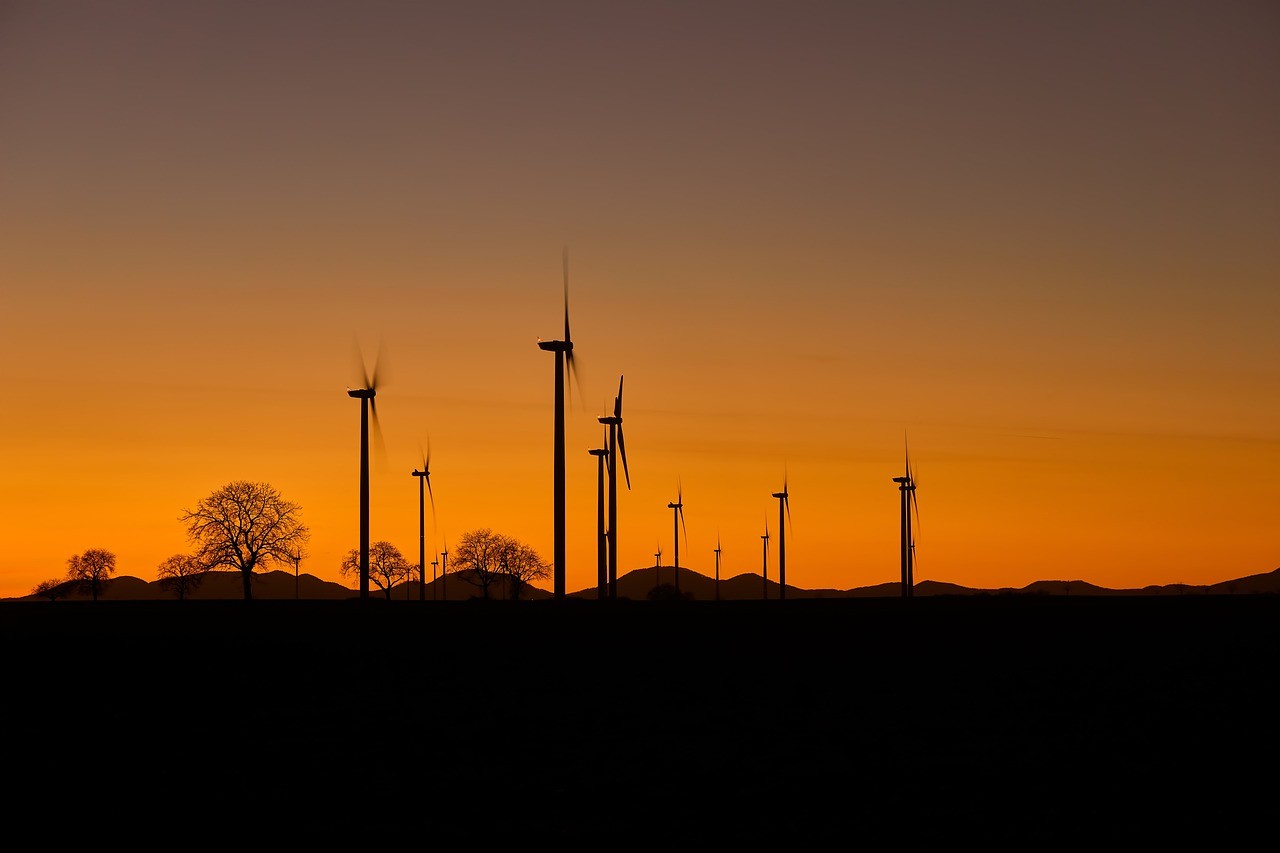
[(366, 395), (564, 366), (765, 561), (677, 522), (424, 485), (717, 550), (444, 570), (907, 491), (657, 567), (784, 509), (602, 558), (434, 564), (617, 447)]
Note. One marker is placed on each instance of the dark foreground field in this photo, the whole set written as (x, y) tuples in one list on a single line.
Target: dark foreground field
[(1019, 721)]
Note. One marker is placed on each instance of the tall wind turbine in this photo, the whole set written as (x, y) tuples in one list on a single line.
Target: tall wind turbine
[(617, 447), (602, 557), (907, 502), (366, 395), (424, 487), (564, 366), (784, 514), (677, 522), (717, 550), (765, 560)]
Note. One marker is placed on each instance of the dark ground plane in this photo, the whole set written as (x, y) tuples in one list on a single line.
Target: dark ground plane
[(1009, 720)]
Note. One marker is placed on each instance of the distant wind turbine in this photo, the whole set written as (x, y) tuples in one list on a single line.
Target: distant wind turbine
[(617, 448), (434, 565), (602, 557), (907, 503), (564, 366), (444, 570), (677, 522), (717, 550), (424, 488), (784, 513), (657, 568), (366, 395), (765, 561)]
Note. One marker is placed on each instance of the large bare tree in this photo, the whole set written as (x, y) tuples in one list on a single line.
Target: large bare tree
[(387, 566), (245, 525), (477, 558), (92, 570), (484, 557)]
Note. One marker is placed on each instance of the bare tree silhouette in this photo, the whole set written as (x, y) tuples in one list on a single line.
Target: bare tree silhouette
[(523, 565), (181, 574), (244, 525), (477, 558), (92, 570), (53, 589), (386, 567)]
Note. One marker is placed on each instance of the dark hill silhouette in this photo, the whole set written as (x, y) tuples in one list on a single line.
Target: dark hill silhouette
[(634, 585)]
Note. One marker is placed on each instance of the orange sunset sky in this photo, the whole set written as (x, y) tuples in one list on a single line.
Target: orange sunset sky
[(1039, 241)]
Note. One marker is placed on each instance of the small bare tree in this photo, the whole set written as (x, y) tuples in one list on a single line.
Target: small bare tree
[(92, 570), (245, 525), (181, 574), (53, 589), (387, 566)]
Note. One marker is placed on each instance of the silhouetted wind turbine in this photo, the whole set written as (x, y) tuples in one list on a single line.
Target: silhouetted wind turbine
[(717, 550), (424, 480), (657, 568), (784, 509), (368, 407), (564, 366), (907, 492), (677, 522), (617, 447), (434, 565), (602, 559), (444, 570), (765, 561)]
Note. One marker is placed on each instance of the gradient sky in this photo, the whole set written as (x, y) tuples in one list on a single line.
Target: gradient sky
[(1038, 241)]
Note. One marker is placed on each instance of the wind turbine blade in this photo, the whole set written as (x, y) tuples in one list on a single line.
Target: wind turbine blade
[(622, 451), (380, 444), (565, 259), (357, 361), (379, 374), (617, 401), (682, 526)]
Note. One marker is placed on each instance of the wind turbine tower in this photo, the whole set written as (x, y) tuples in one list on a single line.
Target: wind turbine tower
[(784, 514), (617, 448), (677, 522), (907, 502), (602, 557), (424, 486), (564, 364), (717, 550), (366, 396)]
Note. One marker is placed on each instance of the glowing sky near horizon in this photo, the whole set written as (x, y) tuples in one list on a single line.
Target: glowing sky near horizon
[(1038, 241)]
